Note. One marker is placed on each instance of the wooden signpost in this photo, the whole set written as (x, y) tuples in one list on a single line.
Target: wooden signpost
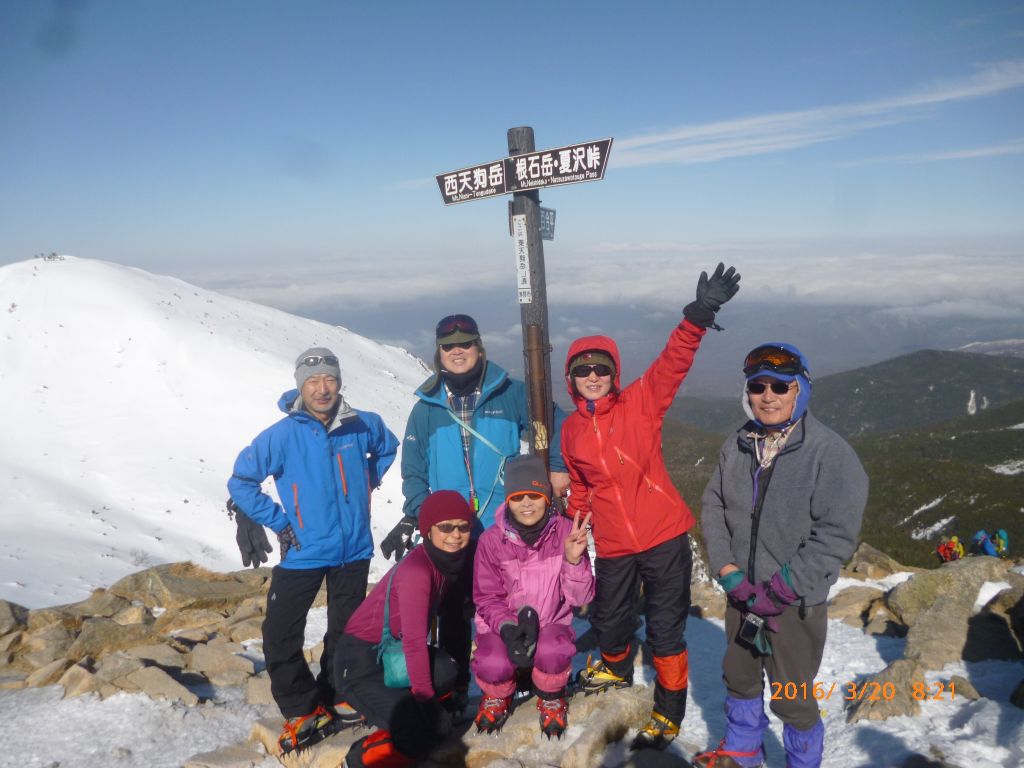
[(523, 173)]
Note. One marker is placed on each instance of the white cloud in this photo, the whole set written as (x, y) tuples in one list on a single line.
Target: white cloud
[(777, 132), (1015, 147)]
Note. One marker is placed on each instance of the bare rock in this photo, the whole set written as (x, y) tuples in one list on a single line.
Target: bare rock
[(10, 641), (1017, 697), (313, 654), (707, 600), (190, 618), (874, 564), (961, 686), (99, 603), (176, 586), (160, 654), (237, 756), (250, 608), (221, 663), (157, 684), (608, 717), (39, 648), (958, 581), (40, 618), (887, 693), (47, 675), (101, 636), (852, 604), (257, 689), (114, 666), (133, 614), (248, 629), (12, 683), (78, 680), (12, 617)]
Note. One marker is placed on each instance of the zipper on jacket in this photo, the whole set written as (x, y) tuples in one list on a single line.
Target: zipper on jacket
[(651, 485), (344, 482), (295, 495), (618, 490)]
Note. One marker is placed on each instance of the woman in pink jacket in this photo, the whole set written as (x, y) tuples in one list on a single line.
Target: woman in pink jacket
[(531, 569)]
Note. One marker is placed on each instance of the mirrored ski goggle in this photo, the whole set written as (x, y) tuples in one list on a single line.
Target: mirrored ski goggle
[(449, 325), (773, 359), (318, 359)]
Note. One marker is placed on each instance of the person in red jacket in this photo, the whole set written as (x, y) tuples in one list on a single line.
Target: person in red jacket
[(612, 449)]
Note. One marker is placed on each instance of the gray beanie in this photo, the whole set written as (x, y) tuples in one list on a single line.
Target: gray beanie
[(315, 361)]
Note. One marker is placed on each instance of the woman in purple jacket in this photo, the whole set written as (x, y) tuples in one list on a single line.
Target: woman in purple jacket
[(412, 720), (531, 569)]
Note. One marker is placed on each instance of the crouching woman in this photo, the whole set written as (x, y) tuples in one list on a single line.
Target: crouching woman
[(411, 719)]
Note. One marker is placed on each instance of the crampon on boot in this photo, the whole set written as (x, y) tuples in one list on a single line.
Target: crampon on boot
[(377, 751), (599, 677), (554, 716), (493, 713), (723, 758), (301, 732), (345, 716), (658, 733)]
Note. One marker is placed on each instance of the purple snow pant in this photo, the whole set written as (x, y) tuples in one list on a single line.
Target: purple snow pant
[(496, 674)]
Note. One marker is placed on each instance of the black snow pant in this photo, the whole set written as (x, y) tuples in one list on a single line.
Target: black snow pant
[(455, 619), (415, 727), (664, 573), (292, 592)]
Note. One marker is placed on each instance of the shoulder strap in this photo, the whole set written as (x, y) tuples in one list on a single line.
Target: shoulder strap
[(500, 474)]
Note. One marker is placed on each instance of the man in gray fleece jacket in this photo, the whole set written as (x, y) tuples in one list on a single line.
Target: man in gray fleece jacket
[(781, 515)]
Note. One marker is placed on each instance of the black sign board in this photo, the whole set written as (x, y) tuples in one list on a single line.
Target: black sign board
[(574, 164)]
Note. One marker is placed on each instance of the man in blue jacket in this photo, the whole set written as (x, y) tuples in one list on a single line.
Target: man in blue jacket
[(469, 419), (325, 458)]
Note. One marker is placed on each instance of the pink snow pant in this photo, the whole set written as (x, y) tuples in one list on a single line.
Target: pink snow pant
[(552, 661)]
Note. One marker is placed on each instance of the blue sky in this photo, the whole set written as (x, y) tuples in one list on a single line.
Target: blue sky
[(286, 151)]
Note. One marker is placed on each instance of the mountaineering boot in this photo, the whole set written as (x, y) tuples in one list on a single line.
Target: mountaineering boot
[(657, 734), (301, 732), (377, 751), (804, 749), (720, 758), (345, 716), (493, 713), (599, 677), (742, 745), (554, 716)]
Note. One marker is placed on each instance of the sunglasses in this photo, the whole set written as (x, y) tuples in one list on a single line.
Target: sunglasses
[(457, 345), (584, 371), (773, 359), (778, 387), (449, 325), (517, 497), (317, 359), (452, 527)]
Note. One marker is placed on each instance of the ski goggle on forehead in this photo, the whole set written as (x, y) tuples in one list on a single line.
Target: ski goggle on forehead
[(773, 359), (317, 359), (449, 325)]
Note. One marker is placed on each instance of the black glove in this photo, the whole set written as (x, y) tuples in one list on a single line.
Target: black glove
[(399, 541), (521, 639), (287, 539), (250, 537), (712, 293)]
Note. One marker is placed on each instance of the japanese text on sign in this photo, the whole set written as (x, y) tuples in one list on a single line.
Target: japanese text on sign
[(523, 287), (532, 170)]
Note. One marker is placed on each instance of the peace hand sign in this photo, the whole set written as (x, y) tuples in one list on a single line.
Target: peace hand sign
[(576, 541)]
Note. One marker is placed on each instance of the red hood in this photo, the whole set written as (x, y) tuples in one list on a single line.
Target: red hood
[(601, 344)]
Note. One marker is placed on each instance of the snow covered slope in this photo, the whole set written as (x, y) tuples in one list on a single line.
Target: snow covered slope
[(124, 399)]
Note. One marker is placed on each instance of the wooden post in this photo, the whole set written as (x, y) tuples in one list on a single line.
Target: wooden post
[(534, 316)]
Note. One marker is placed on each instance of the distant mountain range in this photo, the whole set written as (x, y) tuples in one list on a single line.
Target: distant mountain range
[(941, 435), (913, 390)]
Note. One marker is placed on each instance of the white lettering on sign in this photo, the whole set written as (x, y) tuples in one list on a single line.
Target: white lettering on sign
[(523, 286)]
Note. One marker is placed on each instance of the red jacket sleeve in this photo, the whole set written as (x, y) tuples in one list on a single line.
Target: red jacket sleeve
[(660, 382)]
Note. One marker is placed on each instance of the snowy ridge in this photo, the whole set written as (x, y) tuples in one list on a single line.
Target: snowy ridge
[(127, 397)]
